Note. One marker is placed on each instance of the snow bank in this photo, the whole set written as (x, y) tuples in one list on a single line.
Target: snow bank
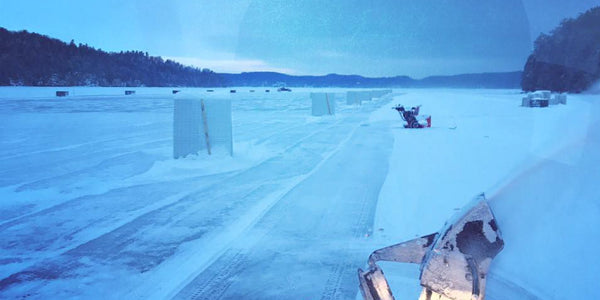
[(549, 217), (537, 167)]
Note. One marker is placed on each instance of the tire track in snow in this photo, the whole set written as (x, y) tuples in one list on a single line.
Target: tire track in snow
[(218, 282), (236, 228), (66, 163), (246, 177), (302, 219), (26, 185), (288, 148), (92, 144), (181, 266), (39, 237)]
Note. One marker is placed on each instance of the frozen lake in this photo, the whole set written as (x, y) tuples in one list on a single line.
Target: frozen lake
[(94, 206)]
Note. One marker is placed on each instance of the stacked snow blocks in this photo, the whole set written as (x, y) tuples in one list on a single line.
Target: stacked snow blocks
[(380, 93), (323, 104), (366, 95), (357, 97), (201, 125), (353, 97), (558, 99), (537, 99), (373, 94), (543, 99)]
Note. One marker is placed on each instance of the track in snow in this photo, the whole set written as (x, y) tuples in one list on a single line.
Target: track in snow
[(303, 248), (140, 236)]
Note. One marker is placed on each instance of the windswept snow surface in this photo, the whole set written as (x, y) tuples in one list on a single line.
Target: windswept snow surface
[(93, 206)]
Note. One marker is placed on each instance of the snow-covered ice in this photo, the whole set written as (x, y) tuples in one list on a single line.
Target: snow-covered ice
[(94, 206)]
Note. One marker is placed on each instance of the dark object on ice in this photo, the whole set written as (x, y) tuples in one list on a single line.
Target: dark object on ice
[(542, 99), (454, 262), (232, 91), (175, 91), (251, 91), (62, 93), (210, 91), (267, 91), (129, 92), (410, 116), (284, 89), (567, 60), (538, 103)]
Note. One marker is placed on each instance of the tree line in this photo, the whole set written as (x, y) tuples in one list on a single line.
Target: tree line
[(31, 59), (567, 59)]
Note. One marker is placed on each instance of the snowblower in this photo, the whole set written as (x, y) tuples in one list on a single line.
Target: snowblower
[(412, 118), (454, 262)]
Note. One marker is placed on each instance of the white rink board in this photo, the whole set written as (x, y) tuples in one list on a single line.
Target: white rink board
[(192, 126), (353, 97), (323, 104)]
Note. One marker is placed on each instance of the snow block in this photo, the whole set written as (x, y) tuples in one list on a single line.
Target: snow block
[(353, 97), (201, 125), (558, 99), (545, 94), (380, 93), (562, 99), (537, 102), (543, 99), (375, 94), (366, 95), (356, 97), (540, 95), (323, 104)]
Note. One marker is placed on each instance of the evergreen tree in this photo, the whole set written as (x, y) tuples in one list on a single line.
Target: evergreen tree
[(567, 60)]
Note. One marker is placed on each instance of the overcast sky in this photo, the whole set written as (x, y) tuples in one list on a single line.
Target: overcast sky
[(367, 37)]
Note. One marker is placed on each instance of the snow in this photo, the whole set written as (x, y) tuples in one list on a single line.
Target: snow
[(94, 206)]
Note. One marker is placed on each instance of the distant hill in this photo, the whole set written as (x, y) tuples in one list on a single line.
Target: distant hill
[(272, 79), (504, 80), (36, 60), (567, 60), (32, 59), (482, 80)]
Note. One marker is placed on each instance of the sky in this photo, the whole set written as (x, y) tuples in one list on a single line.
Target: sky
[(367, 37)]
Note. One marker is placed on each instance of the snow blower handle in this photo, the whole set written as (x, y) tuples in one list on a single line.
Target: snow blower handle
[(398, 107)]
